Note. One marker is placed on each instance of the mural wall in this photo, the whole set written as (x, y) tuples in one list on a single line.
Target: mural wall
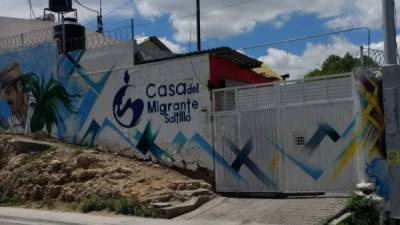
[(159, 111), (162, 111), (371, 132), (320, 135)]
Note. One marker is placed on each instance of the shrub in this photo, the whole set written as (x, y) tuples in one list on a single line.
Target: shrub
[(97, 202), (365, 212), (132, 207), (115, 203)]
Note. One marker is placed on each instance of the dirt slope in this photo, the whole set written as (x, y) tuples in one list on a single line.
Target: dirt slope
[(69, 174)]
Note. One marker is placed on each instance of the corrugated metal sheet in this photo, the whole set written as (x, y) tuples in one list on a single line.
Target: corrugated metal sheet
[(275, 118)]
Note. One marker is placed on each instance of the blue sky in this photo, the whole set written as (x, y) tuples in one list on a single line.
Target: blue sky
[(241, 23)]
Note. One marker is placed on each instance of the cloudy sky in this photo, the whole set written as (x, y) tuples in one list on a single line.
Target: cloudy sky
[(240, 23)]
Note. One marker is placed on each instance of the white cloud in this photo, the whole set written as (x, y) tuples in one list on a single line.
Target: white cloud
[(222, 18), (312, 57), (20, 8), (234, 18), (356, 13), (314, 54), (175, 47)]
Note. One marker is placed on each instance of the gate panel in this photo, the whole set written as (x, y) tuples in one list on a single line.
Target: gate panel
[(294, 136), (316, 164), (226, 178), (258, 130)]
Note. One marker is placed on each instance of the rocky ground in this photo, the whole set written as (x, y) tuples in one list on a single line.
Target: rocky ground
[(59, 174)]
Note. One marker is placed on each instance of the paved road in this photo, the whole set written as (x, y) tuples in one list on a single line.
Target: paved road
[(16, 216), (298, 211), (221, 211)]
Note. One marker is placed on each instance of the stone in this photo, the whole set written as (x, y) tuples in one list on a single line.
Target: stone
[(55, 165), (85, 162), (23, 146), (182, 208), (53, 191), (84, 175), (40, 135), (123, 170), (36, 193), (118, 176), (366, 188), (67, 197), (193, 193), (161, 204), (41, 180), (59, 179)]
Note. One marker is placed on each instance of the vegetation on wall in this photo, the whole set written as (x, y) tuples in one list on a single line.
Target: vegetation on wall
[(49, 96), (336, 64)]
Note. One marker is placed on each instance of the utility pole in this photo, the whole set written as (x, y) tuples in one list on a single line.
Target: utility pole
[(391, 102), (100, 28), (198, 25), (390, 32)]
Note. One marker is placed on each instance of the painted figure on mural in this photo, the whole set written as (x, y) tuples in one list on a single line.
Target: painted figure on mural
[(20, 102)]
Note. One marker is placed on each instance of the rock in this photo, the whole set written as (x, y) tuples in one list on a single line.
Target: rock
[(85, 162), (118, 176), (182, 208), (366, 188), (123, 170), (59, 179), (157, 198), (53, 191), (23, 146), (40, 135), (84, 175), (55, 165), (41, 180), (193, 193), (156, 166), (67, 197), (36, 193), (173, 186), (161, 204), (205, 185)]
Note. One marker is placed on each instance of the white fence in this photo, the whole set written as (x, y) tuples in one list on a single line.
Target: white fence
[(286, 136)]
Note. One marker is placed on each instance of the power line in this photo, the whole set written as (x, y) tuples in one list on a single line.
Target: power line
[(31, 12), (86, 7), (112, 10), (310, 37), (191, 13)]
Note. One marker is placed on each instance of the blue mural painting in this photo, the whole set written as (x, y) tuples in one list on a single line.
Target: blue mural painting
[(61, 97)]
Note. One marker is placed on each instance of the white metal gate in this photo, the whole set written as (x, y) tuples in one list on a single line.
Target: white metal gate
[(293, 136)]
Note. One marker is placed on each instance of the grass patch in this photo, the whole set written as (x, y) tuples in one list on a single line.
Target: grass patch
[(77, 152), (31, 157), (7, 199), (365, 212), (114, 203)]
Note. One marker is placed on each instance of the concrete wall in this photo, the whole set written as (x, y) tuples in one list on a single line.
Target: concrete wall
[(159, 111)]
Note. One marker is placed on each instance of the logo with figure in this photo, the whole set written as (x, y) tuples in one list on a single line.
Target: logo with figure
[(126, 111)]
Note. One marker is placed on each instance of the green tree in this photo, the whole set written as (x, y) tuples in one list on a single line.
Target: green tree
[(49, 97), (335, 64)]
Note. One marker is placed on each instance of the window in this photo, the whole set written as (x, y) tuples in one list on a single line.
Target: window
[(299, 139)]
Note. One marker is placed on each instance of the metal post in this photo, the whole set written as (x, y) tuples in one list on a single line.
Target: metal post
[(391, 99), (362, 62), (198, 25), (63, 37), (390, 32), (133, 40)]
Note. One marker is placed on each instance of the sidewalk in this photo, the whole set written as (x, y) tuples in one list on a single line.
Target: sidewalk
[(19, 216), (290, 211)]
